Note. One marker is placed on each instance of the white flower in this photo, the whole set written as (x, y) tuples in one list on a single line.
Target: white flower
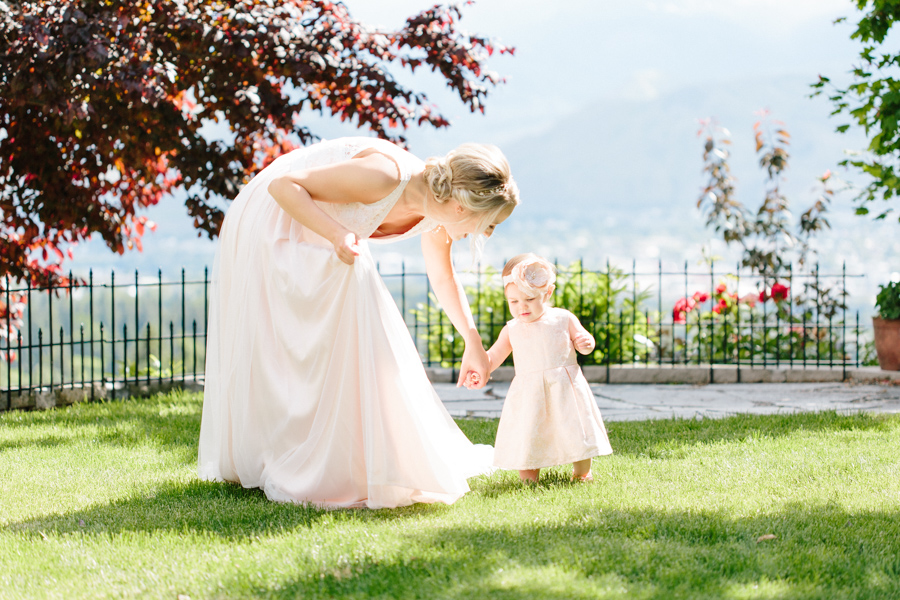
[(531, 276)]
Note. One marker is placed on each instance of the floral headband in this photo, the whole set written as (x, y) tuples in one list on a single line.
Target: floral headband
[(531, 276)]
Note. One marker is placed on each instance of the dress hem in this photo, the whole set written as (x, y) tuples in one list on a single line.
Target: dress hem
[(591, 454)]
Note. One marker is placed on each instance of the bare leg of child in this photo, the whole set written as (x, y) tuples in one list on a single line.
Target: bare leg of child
[(581, 470), (529, 475)]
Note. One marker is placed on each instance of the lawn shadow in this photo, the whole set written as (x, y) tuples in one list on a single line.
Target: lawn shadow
[(507, 483), (221, 509), (818, 552), (44, 441)]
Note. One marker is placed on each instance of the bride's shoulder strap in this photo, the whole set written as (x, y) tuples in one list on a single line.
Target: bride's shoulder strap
[(402, 159)]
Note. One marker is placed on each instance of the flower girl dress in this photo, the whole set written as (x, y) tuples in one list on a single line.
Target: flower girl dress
[(550, 416), (315, 391)]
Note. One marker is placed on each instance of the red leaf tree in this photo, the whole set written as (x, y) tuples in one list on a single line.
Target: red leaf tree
[(102, 103)]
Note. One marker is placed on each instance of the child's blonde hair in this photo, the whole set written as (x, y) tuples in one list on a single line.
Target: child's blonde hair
[(531, 273)]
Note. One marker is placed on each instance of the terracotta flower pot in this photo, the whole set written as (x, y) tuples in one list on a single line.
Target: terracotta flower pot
[(887, 343)]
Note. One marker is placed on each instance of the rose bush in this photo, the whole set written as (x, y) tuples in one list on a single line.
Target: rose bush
[(738, 328)]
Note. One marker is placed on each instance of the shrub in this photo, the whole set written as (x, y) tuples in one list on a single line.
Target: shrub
[(600, 300), (888, 301)]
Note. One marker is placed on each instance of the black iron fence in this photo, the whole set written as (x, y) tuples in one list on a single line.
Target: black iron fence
[(104, 335), (101, 336), (663, 317)]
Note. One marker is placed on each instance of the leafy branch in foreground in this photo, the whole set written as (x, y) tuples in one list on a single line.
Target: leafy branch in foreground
[(872, 102)]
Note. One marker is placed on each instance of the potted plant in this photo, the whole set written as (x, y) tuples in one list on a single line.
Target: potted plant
[(887, 326)]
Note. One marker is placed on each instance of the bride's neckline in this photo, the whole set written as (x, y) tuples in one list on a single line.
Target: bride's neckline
[(407, 224)]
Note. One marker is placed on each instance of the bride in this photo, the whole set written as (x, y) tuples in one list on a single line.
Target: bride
[(315, 391)]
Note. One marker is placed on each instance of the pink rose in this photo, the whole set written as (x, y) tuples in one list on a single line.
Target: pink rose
[(701, 297)]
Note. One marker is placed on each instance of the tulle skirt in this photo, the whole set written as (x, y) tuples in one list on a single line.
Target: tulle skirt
[(315, 391), (549, 417)]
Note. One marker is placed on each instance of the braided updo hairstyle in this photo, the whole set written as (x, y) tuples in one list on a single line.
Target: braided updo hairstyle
[(478, 177)]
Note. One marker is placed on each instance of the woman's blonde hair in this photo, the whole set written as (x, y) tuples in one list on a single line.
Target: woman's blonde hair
[(478, 177)]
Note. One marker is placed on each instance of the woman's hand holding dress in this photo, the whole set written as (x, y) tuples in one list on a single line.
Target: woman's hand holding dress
[(364, 180), (346, 246)]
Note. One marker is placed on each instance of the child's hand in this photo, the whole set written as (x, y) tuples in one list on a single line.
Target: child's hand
[(584, 343), (472, 380)]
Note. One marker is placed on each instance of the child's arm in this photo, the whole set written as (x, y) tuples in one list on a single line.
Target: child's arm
[(500, 350), (581, 339), (496, 355)]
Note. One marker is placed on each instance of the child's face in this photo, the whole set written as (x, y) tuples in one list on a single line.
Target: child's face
[(523, 307)]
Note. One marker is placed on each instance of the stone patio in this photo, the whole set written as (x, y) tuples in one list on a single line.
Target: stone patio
[(634, 402)]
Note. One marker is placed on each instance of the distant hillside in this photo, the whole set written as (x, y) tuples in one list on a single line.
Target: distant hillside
[(621, 156), (620, 180)]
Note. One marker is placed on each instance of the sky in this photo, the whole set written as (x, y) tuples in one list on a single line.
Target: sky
[(571, 54), (569, 57)]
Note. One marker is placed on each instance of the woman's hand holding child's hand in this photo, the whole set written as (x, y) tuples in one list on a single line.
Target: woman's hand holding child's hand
[(584, 343), (472, 380), (475, 361)]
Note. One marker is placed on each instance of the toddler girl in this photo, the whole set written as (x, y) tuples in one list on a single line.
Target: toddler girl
[(550, 416)]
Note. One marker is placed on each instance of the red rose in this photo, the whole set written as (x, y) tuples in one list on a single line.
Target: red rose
[(701, 297), (722, 305), (780, 292), (685, 304)]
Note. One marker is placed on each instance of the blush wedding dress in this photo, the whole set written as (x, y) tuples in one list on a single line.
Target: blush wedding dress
[(315, 391)]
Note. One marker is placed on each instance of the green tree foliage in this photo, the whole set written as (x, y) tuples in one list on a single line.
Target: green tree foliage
[(102, 103), (872, 102)]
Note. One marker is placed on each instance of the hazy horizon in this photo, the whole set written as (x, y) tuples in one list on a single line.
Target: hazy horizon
[(599, 118)]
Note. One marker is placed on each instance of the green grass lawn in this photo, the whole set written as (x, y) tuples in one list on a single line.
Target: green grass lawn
[(102, 500)]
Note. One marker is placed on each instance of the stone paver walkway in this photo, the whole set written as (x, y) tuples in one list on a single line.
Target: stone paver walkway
[(626, 402)]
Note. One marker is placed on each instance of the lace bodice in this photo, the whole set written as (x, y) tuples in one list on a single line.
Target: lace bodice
[(543, 344), (361, 219)]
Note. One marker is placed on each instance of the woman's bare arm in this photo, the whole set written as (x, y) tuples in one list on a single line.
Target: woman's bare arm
[(365, 180), (436, 250)]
